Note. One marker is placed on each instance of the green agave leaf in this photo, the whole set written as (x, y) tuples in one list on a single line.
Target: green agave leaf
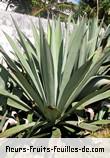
[(30, 117), (43, 135), (47, 69), (93, 97), (73, 50), (22, 40), (68, 38), (94, 84), (29, 89), (30, 51), (104, 37), (74, 123), (35, 70), (60, 64), (14, 101), (89, 127), (26, 65), (14, 130), (89, 42), (28, 47), (3, 77), (36, 40), (56, 41), (93, 28), (8, 60), (68, 132), (18, 52), (49, 32), (17, 105), (101, 122), (83, 125), (84, 50), (21, 80), (69, 129), (94, 33), (43, 129), (38, 125), (73, 83), (90, 73)]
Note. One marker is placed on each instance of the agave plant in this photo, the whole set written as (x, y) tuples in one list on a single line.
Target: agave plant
[(55, 78)]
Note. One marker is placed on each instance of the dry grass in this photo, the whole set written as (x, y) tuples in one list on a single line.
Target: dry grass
[(103, 133)]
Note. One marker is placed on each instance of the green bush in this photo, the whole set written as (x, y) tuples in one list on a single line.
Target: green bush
[(54, 79)]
